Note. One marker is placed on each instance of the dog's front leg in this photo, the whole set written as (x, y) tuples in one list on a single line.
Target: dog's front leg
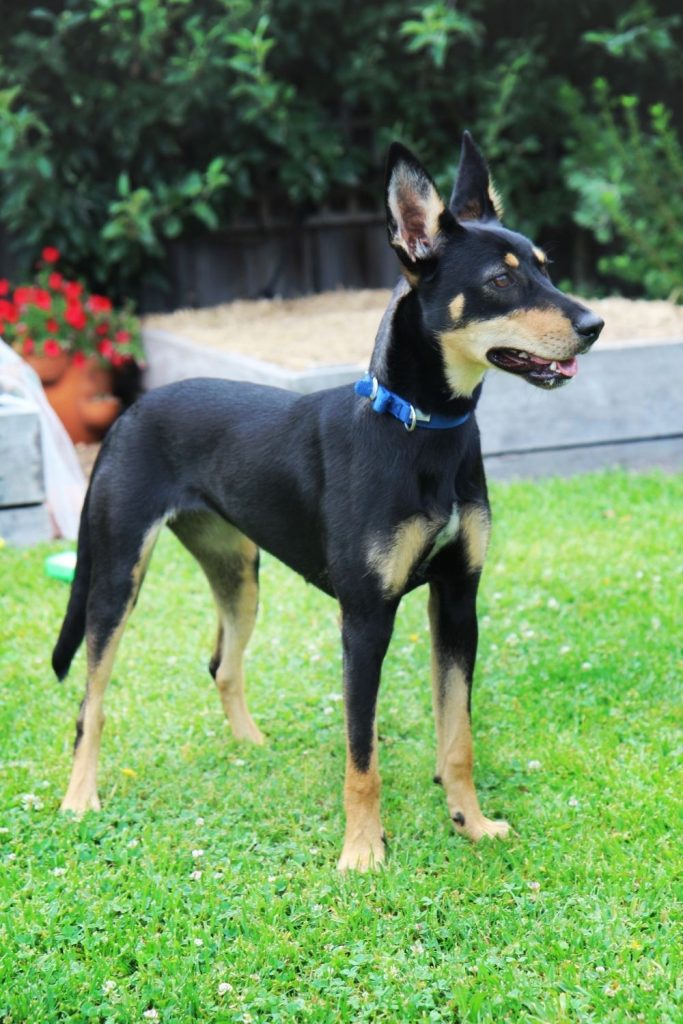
[(453, 623), (365, 639)]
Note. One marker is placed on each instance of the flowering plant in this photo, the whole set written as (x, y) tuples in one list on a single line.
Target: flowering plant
[(55, 316)]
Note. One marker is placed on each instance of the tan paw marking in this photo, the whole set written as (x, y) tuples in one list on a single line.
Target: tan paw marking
[(479, 827), (362, 854), (247, 730), (79, 804)]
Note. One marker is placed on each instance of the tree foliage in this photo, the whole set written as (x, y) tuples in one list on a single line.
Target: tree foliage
[(124, 125)]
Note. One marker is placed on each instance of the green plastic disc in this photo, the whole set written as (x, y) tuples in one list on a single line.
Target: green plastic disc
[(61, 566)]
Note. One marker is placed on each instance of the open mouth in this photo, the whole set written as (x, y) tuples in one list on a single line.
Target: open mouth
[(543, 373)]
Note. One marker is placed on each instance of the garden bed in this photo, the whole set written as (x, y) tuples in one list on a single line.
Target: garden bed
[(622, 410), (338, 328)]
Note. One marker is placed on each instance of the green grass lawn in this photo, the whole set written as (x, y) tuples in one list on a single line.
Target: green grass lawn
[(206, 888)]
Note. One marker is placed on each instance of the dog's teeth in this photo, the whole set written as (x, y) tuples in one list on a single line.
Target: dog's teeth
[(553, 366)]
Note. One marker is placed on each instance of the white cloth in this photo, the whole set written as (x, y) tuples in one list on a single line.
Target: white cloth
[(64, 481)]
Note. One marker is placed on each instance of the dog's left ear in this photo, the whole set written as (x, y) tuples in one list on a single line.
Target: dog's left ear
[(474, 197), (417, 218)]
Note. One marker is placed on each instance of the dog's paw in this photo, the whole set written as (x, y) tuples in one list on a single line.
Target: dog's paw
[(362, 853), (79, 803), (247, 731), (478, 827)]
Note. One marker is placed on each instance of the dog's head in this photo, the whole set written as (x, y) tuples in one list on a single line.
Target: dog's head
[(485, 292)]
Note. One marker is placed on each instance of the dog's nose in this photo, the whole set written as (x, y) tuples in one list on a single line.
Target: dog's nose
[(588, 326)]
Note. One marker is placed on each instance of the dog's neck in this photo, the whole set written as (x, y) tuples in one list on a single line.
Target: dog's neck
[(407, 359)]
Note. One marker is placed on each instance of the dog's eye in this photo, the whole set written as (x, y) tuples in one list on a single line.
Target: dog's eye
[(502, 280)]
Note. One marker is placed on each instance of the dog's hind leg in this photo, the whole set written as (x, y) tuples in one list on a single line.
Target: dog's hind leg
[(453, 622), (230, 561), (236, 617), (113, 593)]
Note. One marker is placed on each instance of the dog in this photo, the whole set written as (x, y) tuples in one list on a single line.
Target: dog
[(367, 492)]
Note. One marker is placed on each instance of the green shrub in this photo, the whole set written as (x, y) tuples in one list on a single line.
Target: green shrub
[(627, 172)]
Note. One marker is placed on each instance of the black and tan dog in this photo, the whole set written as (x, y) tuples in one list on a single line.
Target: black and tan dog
[(366, 492)]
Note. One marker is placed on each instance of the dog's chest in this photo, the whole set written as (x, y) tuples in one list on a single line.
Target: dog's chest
[(410, 547), (446, 535)]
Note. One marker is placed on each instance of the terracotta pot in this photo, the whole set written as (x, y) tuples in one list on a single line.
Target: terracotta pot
[(49, 368), (99, 413), (74, 396)]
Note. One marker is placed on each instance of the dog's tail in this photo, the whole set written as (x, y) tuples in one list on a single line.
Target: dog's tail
[(73, 627)]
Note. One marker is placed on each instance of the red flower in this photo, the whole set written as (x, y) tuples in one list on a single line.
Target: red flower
[(75, 316), (23, 296), (102, 329), (122, 337), (105, 348), (52, 347), (50, 254), (55, 280), (72, 290), (79, 359), (28, 346), (42, 298), (99, 304), (4, 286), (8, 311), (52, 326)]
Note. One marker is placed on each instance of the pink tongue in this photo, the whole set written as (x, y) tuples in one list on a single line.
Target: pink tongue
[(568, 367)]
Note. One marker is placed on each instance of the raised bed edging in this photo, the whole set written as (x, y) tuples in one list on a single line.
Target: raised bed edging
[(24, 517), (623, 408)]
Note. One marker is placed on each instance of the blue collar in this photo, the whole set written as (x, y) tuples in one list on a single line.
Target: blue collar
[(384, 400)]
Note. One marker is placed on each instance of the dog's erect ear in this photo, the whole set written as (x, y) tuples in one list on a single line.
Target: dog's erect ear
[(417, 218), (474, 197)]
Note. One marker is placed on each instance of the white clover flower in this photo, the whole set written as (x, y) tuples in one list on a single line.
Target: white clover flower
[(31, 802), (199, 821), (197, 853), (223, 987), (108, 987), (533, 766), (195, 875), (58, 871), (534, 886), (151, 1014)]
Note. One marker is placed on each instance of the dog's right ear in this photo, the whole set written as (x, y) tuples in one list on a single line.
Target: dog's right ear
[(417, 218)]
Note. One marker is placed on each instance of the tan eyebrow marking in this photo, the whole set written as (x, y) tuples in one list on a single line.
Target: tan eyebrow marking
[(456, 307), (539, 254), (511, 259)]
